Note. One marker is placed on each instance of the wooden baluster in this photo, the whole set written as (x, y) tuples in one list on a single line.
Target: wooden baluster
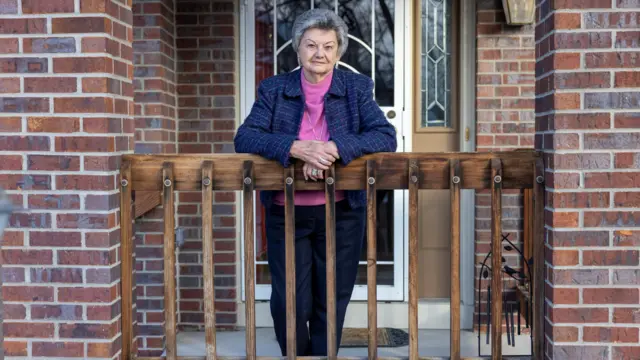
[(169, 262), (207, 260), (249, 256), (330, 220), (538, 244), (372, 254), (455, 174), (126, 256), (496, 257), (290, 260), (527, 234), (413, 258)]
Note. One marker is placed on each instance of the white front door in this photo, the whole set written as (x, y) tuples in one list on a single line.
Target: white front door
[(376, 48)]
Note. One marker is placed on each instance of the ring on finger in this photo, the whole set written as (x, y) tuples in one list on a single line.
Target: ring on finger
[(314, 172)]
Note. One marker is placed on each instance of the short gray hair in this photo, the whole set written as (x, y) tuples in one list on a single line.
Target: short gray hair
[(323, 19)]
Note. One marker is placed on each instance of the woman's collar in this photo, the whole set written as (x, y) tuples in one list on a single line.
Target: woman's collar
[(293, 87)]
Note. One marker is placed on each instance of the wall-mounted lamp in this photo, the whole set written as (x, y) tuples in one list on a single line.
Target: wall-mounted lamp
[(519, 12)]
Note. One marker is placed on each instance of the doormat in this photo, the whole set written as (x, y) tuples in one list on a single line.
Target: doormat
[(387, 337)]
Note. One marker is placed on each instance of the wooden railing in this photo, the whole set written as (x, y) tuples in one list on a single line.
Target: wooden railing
[(247, 173)]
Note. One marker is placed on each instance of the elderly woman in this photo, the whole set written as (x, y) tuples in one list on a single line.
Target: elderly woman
[(316, 116)]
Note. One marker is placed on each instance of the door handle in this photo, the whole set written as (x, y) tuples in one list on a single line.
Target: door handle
[(391, 114)]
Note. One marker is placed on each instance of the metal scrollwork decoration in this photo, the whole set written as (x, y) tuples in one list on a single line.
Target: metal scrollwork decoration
[(523, 278)]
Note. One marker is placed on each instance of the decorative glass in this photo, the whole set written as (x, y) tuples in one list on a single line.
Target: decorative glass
[(436, 64)]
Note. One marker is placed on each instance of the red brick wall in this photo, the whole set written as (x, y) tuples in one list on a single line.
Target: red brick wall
[(66, 115), (156, 132), (154, 76), (207, 52), (505, 120), (185, 102), (588, 116)]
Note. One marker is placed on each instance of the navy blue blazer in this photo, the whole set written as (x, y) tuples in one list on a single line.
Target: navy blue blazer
[(356, 123)]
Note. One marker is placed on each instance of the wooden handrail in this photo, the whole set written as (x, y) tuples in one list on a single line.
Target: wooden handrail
[(392, 171), (410, 171)]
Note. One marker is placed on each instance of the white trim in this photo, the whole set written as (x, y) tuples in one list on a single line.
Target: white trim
[(407, 128), (467, 119), (245, 78)]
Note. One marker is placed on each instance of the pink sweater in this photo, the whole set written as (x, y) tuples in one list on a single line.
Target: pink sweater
[(313, 127)]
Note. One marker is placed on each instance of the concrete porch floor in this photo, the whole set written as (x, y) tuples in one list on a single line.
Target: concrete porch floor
[(431, 343)]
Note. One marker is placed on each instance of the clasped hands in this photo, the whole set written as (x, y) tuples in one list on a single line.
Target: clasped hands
[(317, 156)]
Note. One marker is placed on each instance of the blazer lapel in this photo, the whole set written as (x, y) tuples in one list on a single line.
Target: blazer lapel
[(293, 87)]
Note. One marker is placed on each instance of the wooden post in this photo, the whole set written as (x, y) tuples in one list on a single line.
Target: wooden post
[(169, 262), (126, 256), (496, 257), (249, 262), (207, 260), (330, 220), (455, 174), (413, 258), (538, 244), (290, 260), (372, 254)]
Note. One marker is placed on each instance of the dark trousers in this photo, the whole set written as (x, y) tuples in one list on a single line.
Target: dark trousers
[(311, 294)]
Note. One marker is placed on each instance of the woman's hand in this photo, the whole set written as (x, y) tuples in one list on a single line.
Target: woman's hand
[(311, 173), (331, 147), (318, 154)]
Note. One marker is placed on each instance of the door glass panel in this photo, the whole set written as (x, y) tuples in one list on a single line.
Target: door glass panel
[(384, 52), (385, 275), (363, 55), (274, 55), (435, 63)]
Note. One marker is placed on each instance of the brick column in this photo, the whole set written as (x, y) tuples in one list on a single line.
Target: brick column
[(505, 121), (587, 121), (65, 118), (156, 115), (207, 53), (155, 76)]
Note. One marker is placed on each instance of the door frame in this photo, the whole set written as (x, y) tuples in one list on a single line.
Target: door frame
[(468, 121), (247, 81), (430, 311)]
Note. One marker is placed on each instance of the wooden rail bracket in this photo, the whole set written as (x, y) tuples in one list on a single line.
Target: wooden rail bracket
[(146, 201)]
